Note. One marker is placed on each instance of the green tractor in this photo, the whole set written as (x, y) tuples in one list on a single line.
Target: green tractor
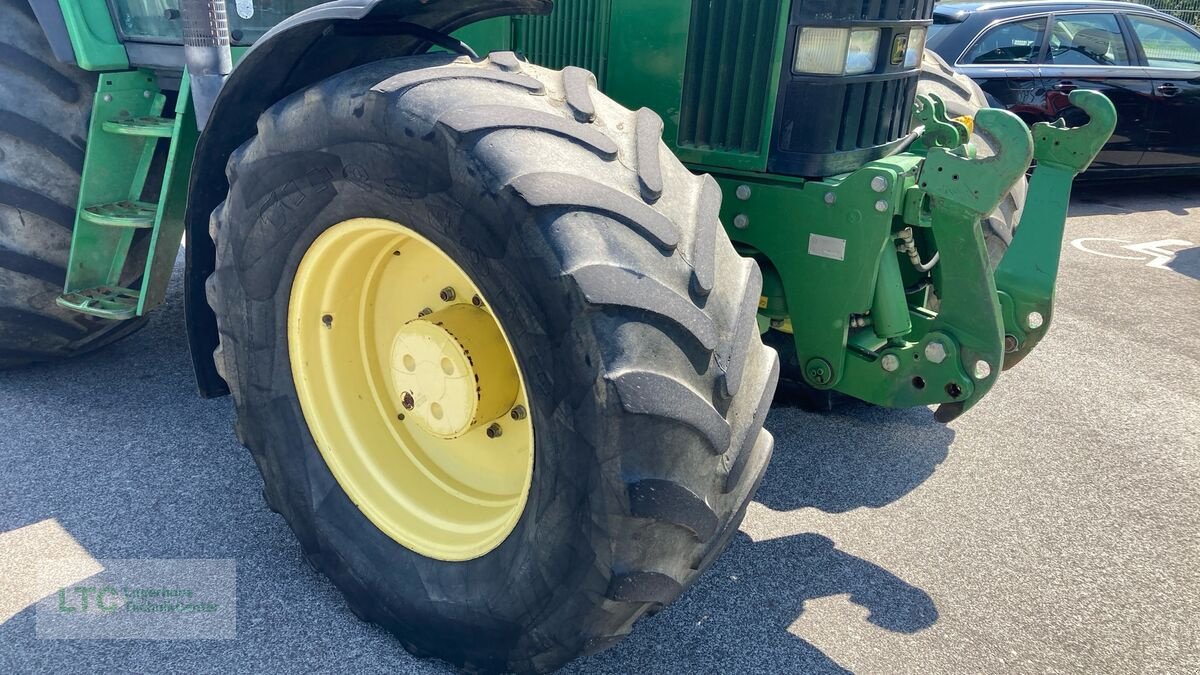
[(494, 325)]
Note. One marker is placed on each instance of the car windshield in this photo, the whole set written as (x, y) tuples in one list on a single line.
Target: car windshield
[(159, 21), (1013, 42)]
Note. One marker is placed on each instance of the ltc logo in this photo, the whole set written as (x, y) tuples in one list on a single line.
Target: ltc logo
[(1154, 253)]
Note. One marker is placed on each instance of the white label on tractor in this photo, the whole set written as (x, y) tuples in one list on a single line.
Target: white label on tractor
[(827, 247), (245, 8)]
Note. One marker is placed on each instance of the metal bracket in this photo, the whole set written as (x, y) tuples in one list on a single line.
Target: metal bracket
[(1026, 277), (961, 192), (940, 130)]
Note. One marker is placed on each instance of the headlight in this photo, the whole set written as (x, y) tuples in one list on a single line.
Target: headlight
[(837, 51), (915, 53)]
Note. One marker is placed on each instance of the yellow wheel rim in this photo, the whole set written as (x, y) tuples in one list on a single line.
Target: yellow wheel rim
[(411, 389)]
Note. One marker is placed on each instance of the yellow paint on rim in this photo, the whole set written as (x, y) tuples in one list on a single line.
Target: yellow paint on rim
[(411, 389)]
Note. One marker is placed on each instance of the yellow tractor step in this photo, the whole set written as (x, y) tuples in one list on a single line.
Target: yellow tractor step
[(127, 213), (156, 127), (109, 302)]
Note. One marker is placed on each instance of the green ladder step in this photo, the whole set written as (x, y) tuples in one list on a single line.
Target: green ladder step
[(157, 127), (108, 302), (127, 213)]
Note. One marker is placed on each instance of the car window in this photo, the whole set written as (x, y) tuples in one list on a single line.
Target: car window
[(1016, 42), (1087, 40), (1166, 45)]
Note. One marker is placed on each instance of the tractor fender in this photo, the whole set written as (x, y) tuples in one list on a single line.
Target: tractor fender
[(296, 53)]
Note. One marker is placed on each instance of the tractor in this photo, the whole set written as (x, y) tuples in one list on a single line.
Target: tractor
[(502, 289)]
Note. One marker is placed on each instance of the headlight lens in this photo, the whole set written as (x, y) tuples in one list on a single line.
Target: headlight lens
[(915, 53), (836, 51)]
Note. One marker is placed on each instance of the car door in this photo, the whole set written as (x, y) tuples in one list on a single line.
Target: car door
[(1002, 61), (1171, 53), (1089, 50)]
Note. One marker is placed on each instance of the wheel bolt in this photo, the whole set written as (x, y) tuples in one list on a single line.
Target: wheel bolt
[(425, 312), (518, 413), (447, 294), (407, 401), (494, 431), (477, 301)]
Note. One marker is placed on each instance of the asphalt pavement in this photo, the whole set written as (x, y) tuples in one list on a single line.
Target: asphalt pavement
[(1055, 528)]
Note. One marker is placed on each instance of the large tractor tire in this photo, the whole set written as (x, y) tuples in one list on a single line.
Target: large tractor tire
[(44, 114), (412, 224), (964, 98)]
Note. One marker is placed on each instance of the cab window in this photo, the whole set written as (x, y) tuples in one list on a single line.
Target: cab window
[(1165, 44), (1016, 42), (1087, 40)]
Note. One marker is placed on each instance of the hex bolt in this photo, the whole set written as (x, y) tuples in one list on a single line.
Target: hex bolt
[(424, 312), (879, 183), (890, 362), (982, 369), (935, 352), (744, 192), (1010, 343), (518, 413), (494, 431), (447, 294), (407, 401), (881, 205), (1035, 320), (741, 221), (830, 198)]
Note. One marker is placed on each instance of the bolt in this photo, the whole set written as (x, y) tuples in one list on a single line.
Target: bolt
[(741, 221), (1035, 320), (477, 301), (982, 369), (447, 294), (879, 183), (108, 98), (935, 352), (1010, 343), (518, 413), (743, 192), (890, 362), (494, 431), (830, 198), (953, 390), (881, 205), (407, 401), (400, 416), (327, 320), (146, 94), (819, 371), (424, 312)]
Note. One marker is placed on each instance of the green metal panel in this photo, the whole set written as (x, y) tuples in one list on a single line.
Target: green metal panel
[(93, 36), (734, 60), (576, 33), (647, 53)]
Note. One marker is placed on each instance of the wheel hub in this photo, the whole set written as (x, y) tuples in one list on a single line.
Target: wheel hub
[(449, 381)]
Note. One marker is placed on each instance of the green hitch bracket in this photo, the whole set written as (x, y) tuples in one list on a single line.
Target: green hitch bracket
[(940, 130), (1025, 279), (962, 191)]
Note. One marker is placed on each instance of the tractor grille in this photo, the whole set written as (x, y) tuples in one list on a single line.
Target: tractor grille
[(574, 34), (726, 86), (871, 114)]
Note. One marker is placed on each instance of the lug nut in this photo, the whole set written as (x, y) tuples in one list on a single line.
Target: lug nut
[(447, 294), (890, 362), (935, 352), (424, 312), (494, 431), (407, 401), (518, 413)]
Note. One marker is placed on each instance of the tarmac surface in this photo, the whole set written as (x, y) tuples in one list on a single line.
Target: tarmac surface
[(1055, 528)]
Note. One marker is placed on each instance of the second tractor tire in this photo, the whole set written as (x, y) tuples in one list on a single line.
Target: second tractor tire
[(633, 321)]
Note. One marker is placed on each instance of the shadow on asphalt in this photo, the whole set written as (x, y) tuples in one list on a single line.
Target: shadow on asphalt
[(737, 617), (1187, 262)]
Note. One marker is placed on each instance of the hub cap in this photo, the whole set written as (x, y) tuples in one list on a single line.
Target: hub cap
[(411, 389)]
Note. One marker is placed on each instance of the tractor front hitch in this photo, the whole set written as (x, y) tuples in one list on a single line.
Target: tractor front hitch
[(1025, 279)]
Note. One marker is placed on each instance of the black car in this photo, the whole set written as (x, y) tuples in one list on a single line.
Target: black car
[(1027, 56)]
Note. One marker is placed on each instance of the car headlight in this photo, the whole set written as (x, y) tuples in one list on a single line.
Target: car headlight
[(836, 51), (914, 54)]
